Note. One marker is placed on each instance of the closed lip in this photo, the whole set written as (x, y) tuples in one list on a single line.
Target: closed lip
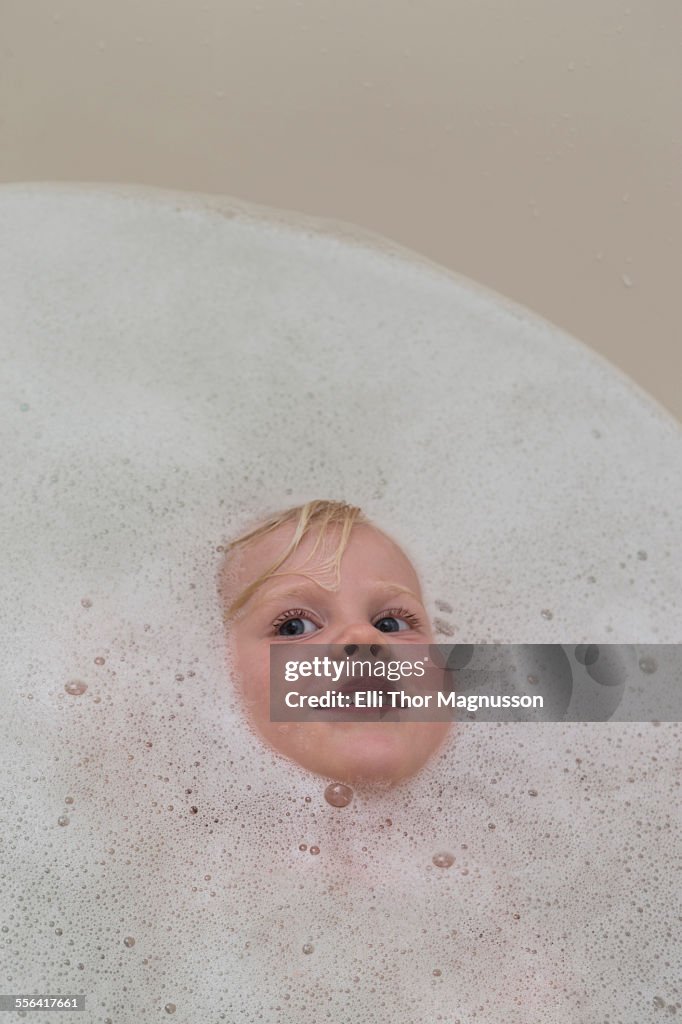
[(355, 685)]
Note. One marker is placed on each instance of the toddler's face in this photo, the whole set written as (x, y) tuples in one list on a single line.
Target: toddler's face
[(379, 593)]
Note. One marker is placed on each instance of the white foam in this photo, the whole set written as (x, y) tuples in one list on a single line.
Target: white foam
[(187, 363)]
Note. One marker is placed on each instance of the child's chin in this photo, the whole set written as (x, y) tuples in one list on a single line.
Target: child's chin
[(371, 753)]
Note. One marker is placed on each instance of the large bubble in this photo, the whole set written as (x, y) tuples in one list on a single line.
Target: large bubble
[(174, 366)]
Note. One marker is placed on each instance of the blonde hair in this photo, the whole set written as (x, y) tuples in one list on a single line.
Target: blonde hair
[(313, 513)]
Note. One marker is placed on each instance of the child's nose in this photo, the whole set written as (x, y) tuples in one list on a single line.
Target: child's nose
[(360, 633), (351, 649)]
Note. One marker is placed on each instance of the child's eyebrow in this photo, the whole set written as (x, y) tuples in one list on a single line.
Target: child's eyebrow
[(277, 595), (303, 590), (398, 588)]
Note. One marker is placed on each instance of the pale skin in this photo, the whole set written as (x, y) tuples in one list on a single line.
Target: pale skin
[(379, 593)]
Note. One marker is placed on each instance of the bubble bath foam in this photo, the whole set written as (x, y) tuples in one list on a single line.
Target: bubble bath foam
[(176, 365)]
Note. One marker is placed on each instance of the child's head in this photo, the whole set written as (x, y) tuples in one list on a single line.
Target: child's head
[(322, 573)]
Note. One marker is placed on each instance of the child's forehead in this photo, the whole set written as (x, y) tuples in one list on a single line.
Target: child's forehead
[(365, 540)]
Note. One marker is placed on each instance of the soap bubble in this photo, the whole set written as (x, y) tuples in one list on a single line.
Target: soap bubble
[(338, 795), (76, 687)]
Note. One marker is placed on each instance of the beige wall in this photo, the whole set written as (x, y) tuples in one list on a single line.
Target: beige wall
[(535, 146)]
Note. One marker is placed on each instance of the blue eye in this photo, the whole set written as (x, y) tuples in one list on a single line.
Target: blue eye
[(389, 624), (293, 623)]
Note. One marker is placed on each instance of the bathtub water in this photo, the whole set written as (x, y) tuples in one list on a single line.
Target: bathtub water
[(174, 365)]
